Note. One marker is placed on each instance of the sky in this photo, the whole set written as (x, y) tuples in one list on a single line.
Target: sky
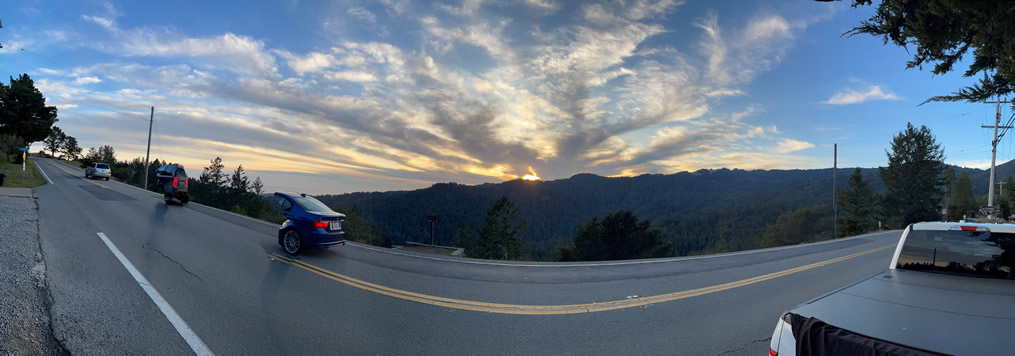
[(346, 96)]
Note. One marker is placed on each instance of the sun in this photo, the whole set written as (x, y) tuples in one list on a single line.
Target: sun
[(532, 176)]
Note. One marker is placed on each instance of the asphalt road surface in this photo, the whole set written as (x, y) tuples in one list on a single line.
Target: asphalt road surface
[(130, 275)]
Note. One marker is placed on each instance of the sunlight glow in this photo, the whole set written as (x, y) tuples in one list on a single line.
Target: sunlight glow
[(532, 176)]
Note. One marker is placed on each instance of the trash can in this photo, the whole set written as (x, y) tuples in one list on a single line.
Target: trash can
[(2, 177)]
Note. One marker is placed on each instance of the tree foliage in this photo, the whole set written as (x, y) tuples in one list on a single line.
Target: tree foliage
[(55, 140), (498, 240), (859, 202), (70, 145), (963, 202), (617, 236), (23, 110), (943, 31), (801, 225), (913, 178)]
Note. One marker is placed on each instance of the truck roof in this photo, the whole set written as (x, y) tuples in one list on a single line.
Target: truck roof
[(940, 225)]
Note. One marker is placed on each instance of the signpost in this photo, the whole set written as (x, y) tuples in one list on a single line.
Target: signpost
[(432, 219), (24, 157)]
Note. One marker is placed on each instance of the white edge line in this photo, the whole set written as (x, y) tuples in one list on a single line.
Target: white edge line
[(181, 326), (618, 263), (39, 167)]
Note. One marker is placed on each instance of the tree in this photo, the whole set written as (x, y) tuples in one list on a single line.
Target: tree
[(257, 186), (70, 145), (800, 225), (963, 202), (943, 32), (618, 236), (213, 173), (949, 185), (238, 182), (106, 154), (497, 240), (55, 140), (913, 177), (1009, 189), (858, 201), (23, 110)]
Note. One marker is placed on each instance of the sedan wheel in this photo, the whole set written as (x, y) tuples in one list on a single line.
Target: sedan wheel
[(292, 242)]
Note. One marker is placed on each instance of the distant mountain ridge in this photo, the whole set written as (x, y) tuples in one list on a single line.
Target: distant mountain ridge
[(695, 210)]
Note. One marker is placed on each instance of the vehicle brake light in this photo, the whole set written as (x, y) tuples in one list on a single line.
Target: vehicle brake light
[(174, 181), (772, 352), (968, 228), (320, 224), (186, 181)]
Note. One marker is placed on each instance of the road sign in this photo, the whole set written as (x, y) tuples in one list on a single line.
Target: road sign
[(24, 149)]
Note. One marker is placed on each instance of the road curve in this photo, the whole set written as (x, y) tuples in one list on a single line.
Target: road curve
[(229, 283)]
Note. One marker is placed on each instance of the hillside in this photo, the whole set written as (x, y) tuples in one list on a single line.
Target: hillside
[(712, 210)]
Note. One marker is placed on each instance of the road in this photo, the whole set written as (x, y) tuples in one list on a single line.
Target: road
[(233, 290)]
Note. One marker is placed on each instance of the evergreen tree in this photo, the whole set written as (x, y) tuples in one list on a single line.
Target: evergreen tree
[(913, 177), (497, 240), (949, 186), (23, 110), (943, 31), (858, 202), (618, 236), (1009, 189), (964, 203)]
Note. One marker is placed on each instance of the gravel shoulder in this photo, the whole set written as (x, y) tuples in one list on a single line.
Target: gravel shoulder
[(24, 310)]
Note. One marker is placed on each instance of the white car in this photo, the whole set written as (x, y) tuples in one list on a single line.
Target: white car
[(97, 170)]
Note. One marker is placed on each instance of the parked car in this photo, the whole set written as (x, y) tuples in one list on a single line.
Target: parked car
[(310, 223), (950, 289), (171, 181), (97, 170)]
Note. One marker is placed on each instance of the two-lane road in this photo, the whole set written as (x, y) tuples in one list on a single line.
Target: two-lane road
[(233, 290)]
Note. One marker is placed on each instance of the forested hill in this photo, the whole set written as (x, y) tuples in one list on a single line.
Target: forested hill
[(710, 210)]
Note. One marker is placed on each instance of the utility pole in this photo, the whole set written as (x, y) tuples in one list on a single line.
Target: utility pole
[(993, 149), (151, 119), (835, 210)]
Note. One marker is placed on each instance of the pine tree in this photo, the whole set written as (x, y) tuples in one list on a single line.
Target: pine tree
[(497, 240), (858, 201), (964, 203), (913, 177)]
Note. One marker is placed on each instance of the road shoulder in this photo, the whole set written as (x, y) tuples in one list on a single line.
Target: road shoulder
[(25, 325)]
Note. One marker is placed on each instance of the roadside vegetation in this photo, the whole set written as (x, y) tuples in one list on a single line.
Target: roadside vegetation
[(16, 178)]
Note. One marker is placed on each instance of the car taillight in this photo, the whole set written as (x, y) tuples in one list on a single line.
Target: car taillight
[(186, 181), (772, 352), (174, 181), (320, 224)]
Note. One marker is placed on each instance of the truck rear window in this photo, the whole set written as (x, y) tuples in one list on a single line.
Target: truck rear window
[(971, 253)]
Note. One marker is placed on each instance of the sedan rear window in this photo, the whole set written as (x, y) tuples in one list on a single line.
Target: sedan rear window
[(311, 204), (971, 253), (102, 166)]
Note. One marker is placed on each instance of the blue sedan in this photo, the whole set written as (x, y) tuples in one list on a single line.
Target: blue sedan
[(310, 224)]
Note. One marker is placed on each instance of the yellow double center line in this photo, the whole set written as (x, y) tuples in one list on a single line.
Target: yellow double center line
[(552, 309), (60, 166)]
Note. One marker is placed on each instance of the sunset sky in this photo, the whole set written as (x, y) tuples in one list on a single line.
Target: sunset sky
[(343, 96)]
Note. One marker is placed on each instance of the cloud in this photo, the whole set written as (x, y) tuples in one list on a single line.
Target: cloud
[(312, 62), (87, 80), (851, 96), (593, 92), (790, 145)]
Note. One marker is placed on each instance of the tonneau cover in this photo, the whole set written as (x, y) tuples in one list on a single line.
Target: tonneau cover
[(920, 310)]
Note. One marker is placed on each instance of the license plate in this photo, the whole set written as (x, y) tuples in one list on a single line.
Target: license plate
[(336, 225)]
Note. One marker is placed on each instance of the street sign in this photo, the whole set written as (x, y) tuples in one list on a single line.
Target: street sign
[(24, 149)]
